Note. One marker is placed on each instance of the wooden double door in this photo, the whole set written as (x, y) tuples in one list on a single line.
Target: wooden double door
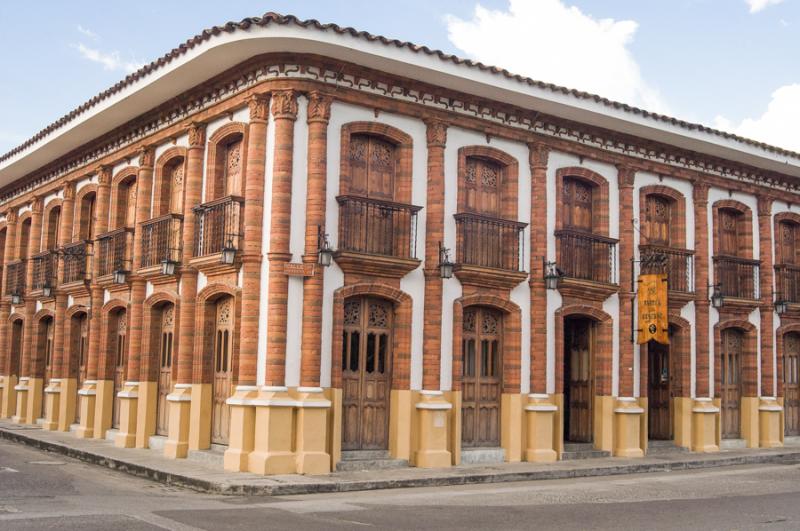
[(366, 373), (481, 344), (119, 346), (731, 382), (165, 348), (578, 381), (223, 371), (791, 385), (659, 398), (79, 344)]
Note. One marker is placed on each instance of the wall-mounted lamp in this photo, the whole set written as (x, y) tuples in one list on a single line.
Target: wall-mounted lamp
[(228, 253), (324, 249), (445, 264), (717, 298), (552, 275)]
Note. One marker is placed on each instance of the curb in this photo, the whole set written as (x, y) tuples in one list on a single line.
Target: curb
[(328, 486)]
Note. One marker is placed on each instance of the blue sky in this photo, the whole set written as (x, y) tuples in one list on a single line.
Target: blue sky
[(726, 63)]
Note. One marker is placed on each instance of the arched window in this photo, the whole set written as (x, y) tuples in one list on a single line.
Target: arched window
[(51, 234), (729, 228), (373, 165), (483, 182), (24, 239), (788, 243), (658, 217), (86, 217), (577, 196), (126, 204)]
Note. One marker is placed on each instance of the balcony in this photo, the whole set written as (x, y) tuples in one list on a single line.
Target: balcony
[(161, 240), (737, 277), (218, 225), (678, 264), (489, 251), (15, 278), (45, 269), (585, 256), (787, 282), (115, 251), (76, 261), (377, 237)]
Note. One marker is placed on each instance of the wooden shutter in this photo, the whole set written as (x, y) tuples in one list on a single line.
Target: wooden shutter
[(577, 204), (728, 233), (373, 164), (658, 217), (482, 184)]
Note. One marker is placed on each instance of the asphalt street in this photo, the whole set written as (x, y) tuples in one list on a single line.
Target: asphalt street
[(39, 490)]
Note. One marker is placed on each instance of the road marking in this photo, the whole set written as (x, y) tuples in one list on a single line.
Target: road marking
[(7, 469)]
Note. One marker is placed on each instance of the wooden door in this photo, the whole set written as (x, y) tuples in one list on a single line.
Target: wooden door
[(658, 220), (482, 184), (482, 377), (728, 242), (578, 384), (165, 369), (233, 169), (659, 415), (730, 382), (223, 371), (791, 385), (120, 346), (80, 347), (373, 163), (577, 204), (175, 179), (48, 351), (366, 373), (16, 347)]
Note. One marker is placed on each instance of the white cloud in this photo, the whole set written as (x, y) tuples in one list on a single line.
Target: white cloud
[(552, 42), (777, 125), (87, 32), (760, 5), (109, 60)]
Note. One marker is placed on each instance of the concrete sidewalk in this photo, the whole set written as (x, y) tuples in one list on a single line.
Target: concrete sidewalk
[(210, 478)]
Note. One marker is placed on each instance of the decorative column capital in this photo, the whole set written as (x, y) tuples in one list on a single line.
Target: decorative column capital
[(700, 192), (764, 206), (436, 133), (11, 216), (104, 176), (538, 155), (258, 105), (37, 204), (284, 104), (147, 157), (319, 107), (197, 135), (69, 190), (625, 176)]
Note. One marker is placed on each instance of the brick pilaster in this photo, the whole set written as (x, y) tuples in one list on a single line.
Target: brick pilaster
[(434, 233), (319, 111), (64, 237), (5, 307), (284, 112), (192, 193), (537, 159), (766, 275), (625, 177), (252, 250), (701, 303), (95, 315), (32, 360)]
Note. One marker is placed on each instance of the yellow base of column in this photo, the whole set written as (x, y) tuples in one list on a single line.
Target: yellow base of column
[(35, 399), (311, 456), (128, 412), (682, 421), (3, 383), (67, 403), (511, 426), (401, 418), (705, 426), (8, 407), (628, 439), (200, 417), (146, 413), (749, 420), (432, 415), (540, 415), (603, 427), (335, 423), (104, 407), (22, 401), (87, 396), (770, 434), (180, 402), (272, 449), (242, 428), (52, 408)]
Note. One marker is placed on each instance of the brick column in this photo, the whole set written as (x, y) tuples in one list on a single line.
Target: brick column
[(701, 302), (434, 233), (8, 370), (319, 110), (538, 156), (766, 286), (284, 112), (625, 177)]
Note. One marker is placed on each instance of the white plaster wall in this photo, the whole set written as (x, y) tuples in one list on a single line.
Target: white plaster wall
[(84, 182)]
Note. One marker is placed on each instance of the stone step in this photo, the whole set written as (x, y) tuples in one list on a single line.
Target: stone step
[(577, 447), (732, 444), (368, 460), (214, 456), (791, 440), (157, 442), (111, 434), (477, 456), (664, 447), (360, 455), (582, 451)]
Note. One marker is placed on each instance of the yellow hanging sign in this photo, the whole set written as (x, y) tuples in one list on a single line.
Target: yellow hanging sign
[(653, 322)]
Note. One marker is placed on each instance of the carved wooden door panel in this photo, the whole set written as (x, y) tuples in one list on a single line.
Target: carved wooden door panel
[(366, 373), (482, 184), (730, 382), (577, 205), (659, 416), (791, 383), (175, 179), (658, 220), (373, 164), (233, 169), (482, 377), (728, 244), (165, 369), (80, 346), (120, 364), (578, 388), (223, 351)]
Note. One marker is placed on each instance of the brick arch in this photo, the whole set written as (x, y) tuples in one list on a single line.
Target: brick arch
[(602, 347), (215, 160), (13, 360), (677, 230), (403, 144), (202, 364), (43, 314), (38, 361), (78, 222), (46, 228), (161, 204), (680, 355), (599, 199), (509, 190), (152, 308), (105, 362), (748, 365), (744, 230), (789, 328), (401, 332), (511, 341), (792, 217)]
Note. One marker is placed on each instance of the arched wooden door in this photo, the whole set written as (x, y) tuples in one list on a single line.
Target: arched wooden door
[(481, 350), (366, 373), (119, 344), (659, 403), (47, 348), (791, 383), (578, 382), (165, 368), (16, 346), (79, 347), (223, 353), (730, 382)]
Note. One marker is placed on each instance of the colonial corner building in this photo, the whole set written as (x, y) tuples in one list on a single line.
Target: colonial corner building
[(300, 244)]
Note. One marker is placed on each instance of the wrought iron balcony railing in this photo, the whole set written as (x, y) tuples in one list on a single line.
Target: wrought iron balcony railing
[(678, 264), (787, 282), (372, 226), (15, 277), (737, 277), (489, 242), (45, 269), (76, 261), (218, 225), (115, 251), (586, 256), (161, 240)]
